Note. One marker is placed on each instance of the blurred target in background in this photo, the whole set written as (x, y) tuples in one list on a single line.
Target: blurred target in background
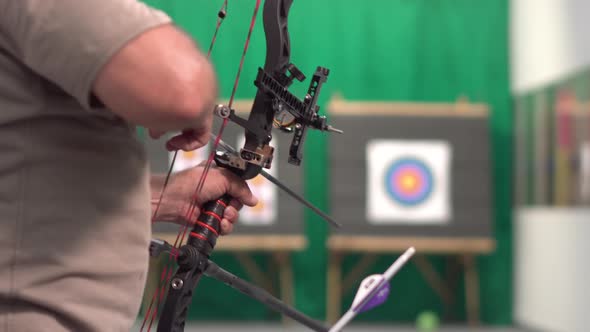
[(408, 181)]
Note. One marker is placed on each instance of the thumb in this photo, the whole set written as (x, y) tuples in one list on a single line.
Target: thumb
[(239, 189), (188, 140)]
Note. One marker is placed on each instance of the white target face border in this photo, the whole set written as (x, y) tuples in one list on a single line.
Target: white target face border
[(381, 209)]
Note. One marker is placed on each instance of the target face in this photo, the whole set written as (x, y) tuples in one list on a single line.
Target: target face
[(409, 181)]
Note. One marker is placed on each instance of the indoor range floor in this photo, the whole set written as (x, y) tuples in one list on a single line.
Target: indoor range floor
[(251, 327)]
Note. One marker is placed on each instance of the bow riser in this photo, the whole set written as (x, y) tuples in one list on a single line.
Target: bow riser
[(257, 152)]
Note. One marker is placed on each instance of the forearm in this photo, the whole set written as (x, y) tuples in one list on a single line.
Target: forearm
[(159, 80)]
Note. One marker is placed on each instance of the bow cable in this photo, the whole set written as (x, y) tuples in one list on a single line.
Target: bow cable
[(192, 206), (168, 266)]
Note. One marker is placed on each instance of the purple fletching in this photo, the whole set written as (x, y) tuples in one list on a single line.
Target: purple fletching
[(377, 299)]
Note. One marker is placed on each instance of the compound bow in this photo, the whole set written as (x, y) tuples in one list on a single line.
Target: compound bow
[(274, 106)]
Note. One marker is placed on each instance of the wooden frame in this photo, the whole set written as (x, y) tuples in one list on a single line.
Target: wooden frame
[(461, 108), (463, 249)]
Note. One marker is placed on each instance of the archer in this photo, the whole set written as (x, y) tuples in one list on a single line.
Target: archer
[(75, 78)]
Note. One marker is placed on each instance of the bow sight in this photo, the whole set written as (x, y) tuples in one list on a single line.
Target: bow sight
[(274, 105), (290, 114)]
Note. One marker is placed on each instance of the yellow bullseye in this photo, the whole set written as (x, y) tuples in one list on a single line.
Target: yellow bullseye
[(409, 182)]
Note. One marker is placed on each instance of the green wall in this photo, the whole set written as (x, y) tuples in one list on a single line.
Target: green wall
[(411, 50)]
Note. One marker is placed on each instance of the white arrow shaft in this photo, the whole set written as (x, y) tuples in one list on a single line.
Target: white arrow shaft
[(348, 316), (391, 271), (399, 263)]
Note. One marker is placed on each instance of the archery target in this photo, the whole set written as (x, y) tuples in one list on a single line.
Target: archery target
[(265, 212), (408, 181)]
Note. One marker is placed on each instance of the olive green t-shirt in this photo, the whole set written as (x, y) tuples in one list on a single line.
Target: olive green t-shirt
[(74, 193)]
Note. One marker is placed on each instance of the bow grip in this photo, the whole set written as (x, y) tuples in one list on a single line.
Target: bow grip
[(191, 264), (207, 228)]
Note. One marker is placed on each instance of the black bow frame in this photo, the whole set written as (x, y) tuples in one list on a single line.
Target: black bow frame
[(274, 106)]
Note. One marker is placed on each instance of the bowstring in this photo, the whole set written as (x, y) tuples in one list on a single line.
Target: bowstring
[(166, 274), (194, 202)]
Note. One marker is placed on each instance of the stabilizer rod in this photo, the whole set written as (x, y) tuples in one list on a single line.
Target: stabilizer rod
[(259, 294)]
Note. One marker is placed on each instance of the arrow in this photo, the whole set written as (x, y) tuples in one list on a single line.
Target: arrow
[(229, 149), (373, 291)]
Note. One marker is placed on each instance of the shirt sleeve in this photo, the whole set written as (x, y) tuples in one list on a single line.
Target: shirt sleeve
[(69, 41)]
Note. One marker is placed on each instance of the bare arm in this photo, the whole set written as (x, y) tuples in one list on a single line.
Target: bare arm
[(124, 52), (159, 80)]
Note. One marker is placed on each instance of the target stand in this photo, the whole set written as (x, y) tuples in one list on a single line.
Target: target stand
[(421, 178)]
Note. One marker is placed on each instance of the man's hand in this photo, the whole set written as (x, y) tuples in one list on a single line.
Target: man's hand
[(188, 139), (181, 188)]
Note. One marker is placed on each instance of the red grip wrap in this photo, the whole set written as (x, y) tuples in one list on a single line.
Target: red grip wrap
[(213, 214), (197, 235), (207, 227)]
